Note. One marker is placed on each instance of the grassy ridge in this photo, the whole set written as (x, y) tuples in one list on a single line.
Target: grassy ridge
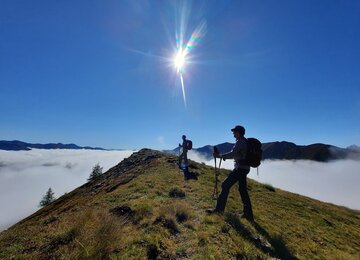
[(137, 211)]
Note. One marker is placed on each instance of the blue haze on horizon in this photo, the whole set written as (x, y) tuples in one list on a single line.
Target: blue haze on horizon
[(89, 72)]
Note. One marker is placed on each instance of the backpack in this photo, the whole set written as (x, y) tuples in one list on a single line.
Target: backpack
[(253, 152), (188, 144)]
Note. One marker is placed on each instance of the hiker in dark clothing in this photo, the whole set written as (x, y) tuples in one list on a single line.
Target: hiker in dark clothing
[(183, 155), (241, 169)]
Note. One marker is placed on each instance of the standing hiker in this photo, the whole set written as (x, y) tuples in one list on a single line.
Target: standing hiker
[(183, 156), (241, 169)]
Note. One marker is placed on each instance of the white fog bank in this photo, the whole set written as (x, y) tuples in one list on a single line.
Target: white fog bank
[(337, 182), (25, 176)]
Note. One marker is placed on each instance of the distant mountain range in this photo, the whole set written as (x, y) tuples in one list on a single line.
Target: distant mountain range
[(289, 151), (22, 146), (272, 150)]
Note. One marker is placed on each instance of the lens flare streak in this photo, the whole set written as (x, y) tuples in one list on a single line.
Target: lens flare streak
[(182, 54), (183, 49), (183, 88)]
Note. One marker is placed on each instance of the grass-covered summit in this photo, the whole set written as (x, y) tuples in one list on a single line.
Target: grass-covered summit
[(142, 208)]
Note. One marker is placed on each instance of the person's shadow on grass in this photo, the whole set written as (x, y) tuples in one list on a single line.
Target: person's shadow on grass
[(274, 246), (189, 175)]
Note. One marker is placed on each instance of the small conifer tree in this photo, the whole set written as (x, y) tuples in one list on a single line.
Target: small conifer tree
[(96, 173), (47, 198)]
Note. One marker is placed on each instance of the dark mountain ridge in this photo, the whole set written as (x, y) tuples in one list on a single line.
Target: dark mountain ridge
[(23, 146), (288, 151), (272, 150)]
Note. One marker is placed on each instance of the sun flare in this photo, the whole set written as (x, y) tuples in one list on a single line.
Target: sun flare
[(179, 60)]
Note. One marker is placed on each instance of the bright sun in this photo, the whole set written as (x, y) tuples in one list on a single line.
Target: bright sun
[(179, 60)]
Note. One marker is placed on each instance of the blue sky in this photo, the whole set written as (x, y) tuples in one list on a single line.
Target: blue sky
[(95, 72)]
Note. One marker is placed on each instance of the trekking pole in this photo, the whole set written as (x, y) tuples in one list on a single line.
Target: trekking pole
[(180, 167), (215, 192), (214, 195), (217, 173)]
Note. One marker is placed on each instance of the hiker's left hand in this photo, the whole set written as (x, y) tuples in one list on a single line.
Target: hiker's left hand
[(216, 155)]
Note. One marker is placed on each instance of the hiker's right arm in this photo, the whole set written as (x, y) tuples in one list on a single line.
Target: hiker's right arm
[(231, 154)]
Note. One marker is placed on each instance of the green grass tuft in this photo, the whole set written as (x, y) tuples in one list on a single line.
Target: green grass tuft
[(269, 187), (176, 193)]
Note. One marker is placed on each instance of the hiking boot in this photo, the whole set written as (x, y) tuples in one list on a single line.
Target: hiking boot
[(214, 211), (248, 218)]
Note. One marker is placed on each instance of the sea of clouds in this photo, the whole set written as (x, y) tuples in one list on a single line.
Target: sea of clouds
[(25, 177)]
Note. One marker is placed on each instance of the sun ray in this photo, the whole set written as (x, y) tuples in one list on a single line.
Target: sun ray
[(185, 44), (181, 57), (183, 89)]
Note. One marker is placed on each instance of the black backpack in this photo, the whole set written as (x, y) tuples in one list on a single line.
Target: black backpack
[(188, 144), (253, 152)]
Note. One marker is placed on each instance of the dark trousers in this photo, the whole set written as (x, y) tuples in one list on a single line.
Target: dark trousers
[(237, 175), (183, 156)]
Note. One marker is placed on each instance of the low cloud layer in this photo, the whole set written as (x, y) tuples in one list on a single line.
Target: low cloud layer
[(25, 176), (336, 182)]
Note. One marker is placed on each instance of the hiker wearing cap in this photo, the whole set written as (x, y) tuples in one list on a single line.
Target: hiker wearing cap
[(241, 169), (183, 155)]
